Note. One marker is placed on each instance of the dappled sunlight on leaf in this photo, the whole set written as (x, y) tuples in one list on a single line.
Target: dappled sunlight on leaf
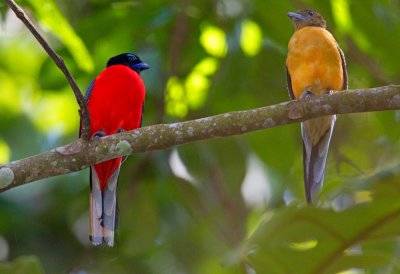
[(303, 246), (177, 109), (344, 23), (175, 90), (251, 38), (5, 152), (362, 196), (16, 99), (207, 66), (24, 51), (213, 40), (49, 15), (56, 113), (190, 94), (341, 14), (196, 85), (351, 271), (175, 98), (9, 96)]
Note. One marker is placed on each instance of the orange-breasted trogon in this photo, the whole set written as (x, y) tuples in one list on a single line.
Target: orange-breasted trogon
[(315, 66)]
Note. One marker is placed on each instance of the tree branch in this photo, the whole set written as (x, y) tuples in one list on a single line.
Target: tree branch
[(84, 113), (80, 154)]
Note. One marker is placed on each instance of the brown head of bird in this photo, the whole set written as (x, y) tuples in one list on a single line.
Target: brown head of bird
[(306, 18)]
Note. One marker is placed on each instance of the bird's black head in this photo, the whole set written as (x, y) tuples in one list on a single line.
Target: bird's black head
[(306, 18), (128, 59)]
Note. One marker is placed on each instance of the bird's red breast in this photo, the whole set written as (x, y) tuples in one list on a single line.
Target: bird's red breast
[(116, 100)]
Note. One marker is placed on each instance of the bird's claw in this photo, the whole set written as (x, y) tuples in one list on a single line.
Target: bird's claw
[(307, 94), (98, 135)]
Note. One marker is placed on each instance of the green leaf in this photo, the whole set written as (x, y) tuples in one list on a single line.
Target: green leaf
[(50, 16), (327, 240), (366, 261), (23, 264)]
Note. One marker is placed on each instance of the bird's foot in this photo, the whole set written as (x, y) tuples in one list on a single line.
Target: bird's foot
[(307, 94), (120, 131), (330, 92), (98, 134)]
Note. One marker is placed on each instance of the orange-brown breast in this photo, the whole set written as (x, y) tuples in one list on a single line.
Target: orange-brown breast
[(314, 62)]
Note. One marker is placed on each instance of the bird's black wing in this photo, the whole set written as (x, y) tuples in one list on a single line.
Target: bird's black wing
[(289, 84), (87, 96), (345, 79)]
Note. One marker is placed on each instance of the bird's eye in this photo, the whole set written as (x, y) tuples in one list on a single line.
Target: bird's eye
[(98, 134), (132, 57), (310, 13)]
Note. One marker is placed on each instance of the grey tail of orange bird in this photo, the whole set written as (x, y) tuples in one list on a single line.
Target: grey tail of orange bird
[(314, 160)]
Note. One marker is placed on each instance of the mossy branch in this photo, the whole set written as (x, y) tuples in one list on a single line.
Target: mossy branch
[(81, 154)]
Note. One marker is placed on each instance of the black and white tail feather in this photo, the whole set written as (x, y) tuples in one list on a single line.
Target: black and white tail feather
[(103, 208)]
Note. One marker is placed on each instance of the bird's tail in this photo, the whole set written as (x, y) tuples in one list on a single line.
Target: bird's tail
[(103, 201), (316, 138)]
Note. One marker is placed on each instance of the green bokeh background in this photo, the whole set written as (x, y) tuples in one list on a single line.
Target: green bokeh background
[(207, 207)]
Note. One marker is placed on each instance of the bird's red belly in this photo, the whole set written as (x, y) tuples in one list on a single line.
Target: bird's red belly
[(116, 102)]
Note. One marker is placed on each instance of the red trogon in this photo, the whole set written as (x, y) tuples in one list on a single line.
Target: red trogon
[(115, 100), (315, 66)]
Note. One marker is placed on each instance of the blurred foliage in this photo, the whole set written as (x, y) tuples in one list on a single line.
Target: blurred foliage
[(287, 238), (232, 205), (24, 264)]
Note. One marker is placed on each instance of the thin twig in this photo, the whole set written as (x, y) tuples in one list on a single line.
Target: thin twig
[(84, 113), (79, 155)]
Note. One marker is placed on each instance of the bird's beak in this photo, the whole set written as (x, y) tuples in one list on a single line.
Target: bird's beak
[(140, 66), (296, 16)]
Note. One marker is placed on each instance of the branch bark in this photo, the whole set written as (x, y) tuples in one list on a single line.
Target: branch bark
[(81, 154), (84, 112)]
